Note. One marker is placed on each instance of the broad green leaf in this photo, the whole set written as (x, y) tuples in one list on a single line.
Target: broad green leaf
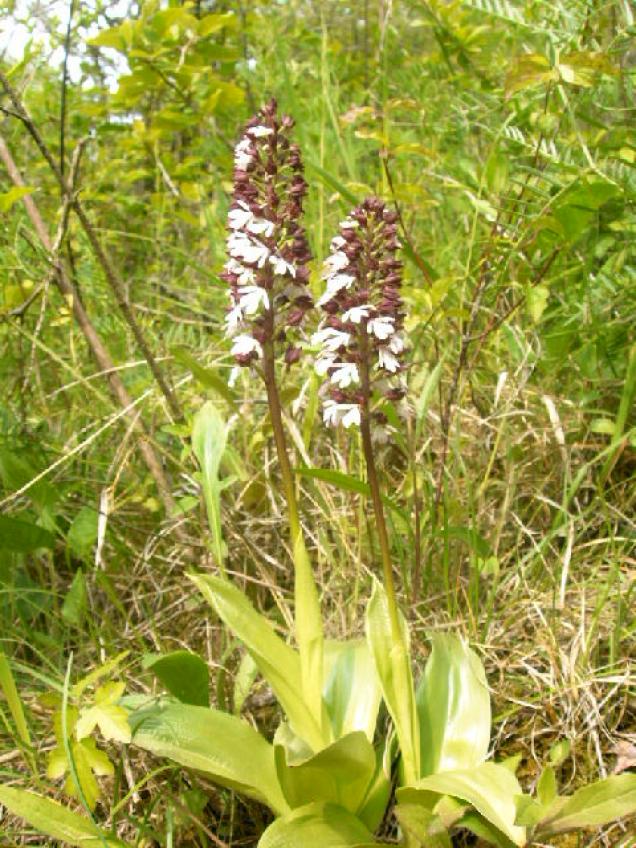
[(54, 820), (278, 663), (7, 685), (592, 806), (22, 536), (243, 681), (547, 786), (559, 752), (423, 826), (213, 23), (309, 636), (74, 606), (529, 70), (209, 437), (393, 664), (373, 808), (489, 788), (340, 774), (82, 533), (106, 714), (536, 301), (220, 745), (478, 825), (184, 675), (8, 198), (453, 708), (583, 67), (352, 689), (317, 826)]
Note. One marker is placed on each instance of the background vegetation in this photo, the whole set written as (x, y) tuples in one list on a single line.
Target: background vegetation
[(504, 135)]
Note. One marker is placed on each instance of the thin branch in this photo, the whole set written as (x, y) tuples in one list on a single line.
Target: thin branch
[(94, 341), (112, 276)]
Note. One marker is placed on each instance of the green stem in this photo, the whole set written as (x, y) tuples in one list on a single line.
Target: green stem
[(308, 621), (276, 418), (376, 498)]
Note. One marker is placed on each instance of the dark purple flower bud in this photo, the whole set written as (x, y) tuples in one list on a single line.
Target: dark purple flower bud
[(268, 252)]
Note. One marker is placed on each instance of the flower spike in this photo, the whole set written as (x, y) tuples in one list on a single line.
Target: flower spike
[(360, 339), (267, 248)]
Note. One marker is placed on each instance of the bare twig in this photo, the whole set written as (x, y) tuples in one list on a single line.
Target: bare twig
[(112, 276), (94, 341)]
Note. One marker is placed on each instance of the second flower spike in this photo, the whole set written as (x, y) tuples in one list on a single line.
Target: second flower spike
[(360, 338)]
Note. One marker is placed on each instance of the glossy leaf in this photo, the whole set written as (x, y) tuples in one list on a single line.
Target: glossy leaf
[(478, 825), (453, 708), (10, 691), (372, 810), (352, 690), (341, 773), (216, 743), (592, 806), (209, 437), (278, 663), (489, 788), (393, 665), (54, 820), (22, 536), (317, 826), (422, 826), (309, 638), (184, 675)]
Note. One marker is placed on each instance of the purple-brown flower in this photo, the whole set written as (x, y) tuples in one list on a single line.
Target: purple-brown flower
[(267, 247), (361, 336)]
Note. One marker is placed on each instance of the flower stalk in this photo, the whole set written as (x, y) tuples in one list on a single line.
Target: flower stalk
[(361, 347), (267, 274)]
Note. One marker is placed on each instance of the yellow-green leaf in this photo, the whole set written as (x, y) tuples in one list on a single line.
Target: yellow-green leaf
[(56, 821)]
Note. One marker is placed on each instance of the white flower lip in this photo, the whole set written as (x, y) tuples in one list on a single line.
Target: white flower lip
[(251, 298), (241, 246), (260, 226), (388, 361), (334, 284), (246, 344), (344, 375), (347, 414), (282, 266), (233, 320), (396, 345), (331, 339), (335, 262), (337, 242), (381, 327), (357, 313), (242, 154), (260, 131), (324, 363)]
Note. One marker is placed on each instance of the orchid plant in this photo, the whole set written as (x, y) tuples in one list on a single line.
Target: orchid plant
[(329, 772)]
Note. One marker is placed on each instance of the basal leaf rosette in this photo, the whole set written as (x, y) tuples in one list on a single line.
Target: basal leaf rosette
[(267, 247)]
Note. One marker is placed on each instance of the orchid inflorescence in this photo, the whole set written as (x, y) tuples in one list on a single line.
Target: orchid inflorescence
[(267, 247), (360, 339)]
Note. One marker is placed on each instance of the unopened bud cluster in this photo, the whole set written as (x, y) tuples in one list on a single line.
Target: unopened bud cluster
[(267, 248), (360, 338)]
